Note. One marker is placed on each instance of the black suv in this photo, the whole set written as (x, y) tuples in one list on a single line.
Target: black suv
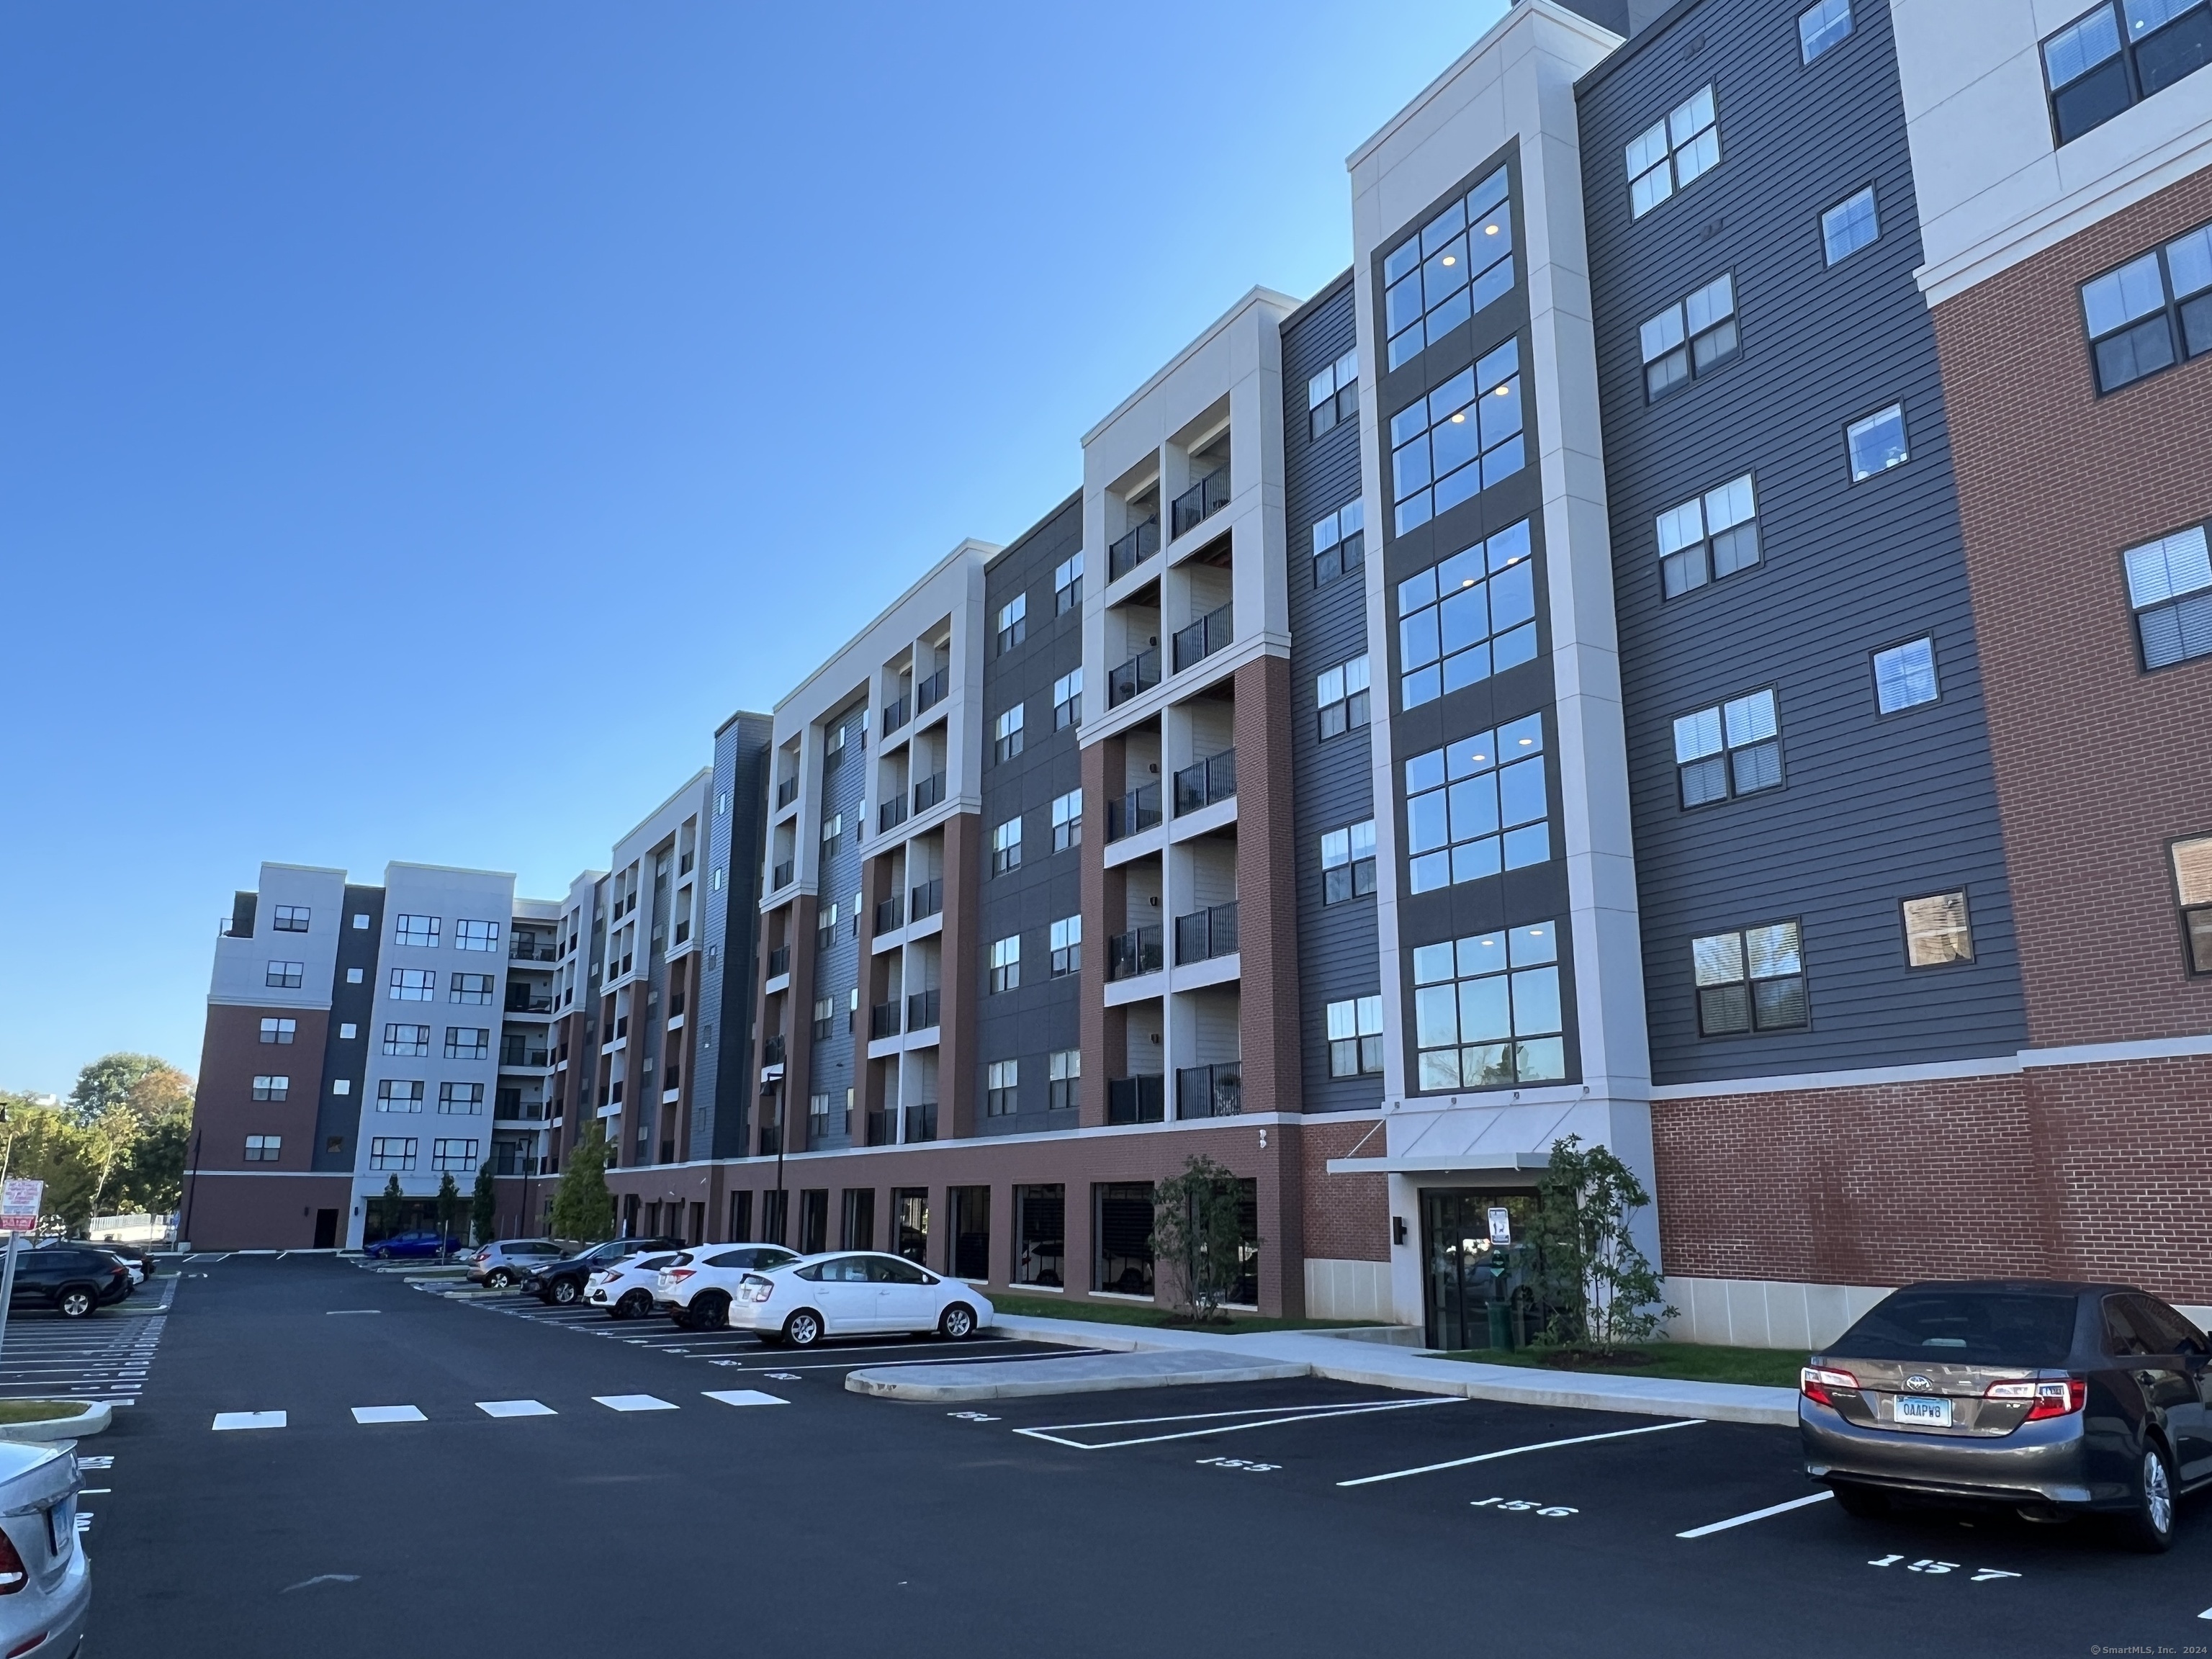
[(562, 1283), (70, 1279)]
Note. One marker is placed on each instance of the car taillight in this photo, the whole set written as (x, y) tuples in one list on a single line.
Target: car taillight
[(679, 1275), (13, 1574), (756, 1290), (2060, 1399), (1816, 1381)]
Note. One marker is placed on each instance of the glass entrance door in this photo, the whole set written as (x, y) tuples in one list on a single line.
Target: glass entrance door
[(1466, 1271)]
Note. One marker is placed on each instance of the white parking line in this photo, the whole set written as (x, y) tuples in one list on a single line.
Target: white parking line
[(1515, 1451), (335, 1313), (634, 1402), (1282, 1415), (1756, 1515), (515, 1408), (249, 1420), (388, 1414), (745, 1397)]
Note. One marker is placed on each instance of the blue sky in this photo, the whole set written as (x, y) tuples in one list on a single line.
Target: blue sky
[(421, 425)]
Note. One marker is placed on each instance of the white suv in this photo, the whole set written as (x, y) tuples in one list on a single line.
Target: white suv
[(854, 1292), (695, 1289)]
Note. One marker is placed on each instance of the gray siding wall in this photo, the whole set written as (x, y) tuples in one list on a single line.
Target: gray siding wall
[(338, 1117), (1873, 809), (723, 1055), (1029, 1022), (837, 964), (1332, 782)]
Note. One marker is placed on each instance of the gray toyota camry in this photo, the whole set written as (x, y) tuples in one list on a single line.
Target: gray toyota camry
[(2049, 1397)]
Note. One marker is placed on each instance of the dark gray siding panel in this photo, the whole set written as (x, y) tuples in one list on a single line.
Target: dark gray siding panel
[(838, 962), (1040, 1015), (738, 819), (338, 1117), (1873, 809)]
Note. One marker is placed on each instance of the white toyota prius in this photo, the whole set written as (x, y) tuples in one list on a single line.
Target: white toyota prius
[(855, 1293)]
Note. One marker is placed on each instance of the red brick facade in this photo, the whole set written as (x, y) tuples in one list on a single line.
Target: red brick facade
[(1347, 1217)]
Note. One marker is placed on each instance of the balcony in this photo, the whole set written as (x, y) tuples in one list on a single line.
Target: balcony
[(1199, 785), (781, 877), (520, 1001), (922, 1008), (1209, 633), (896, 713), (772, 1050), (929, 792), (929, 899), (932, 692), (883, 1020), (779, 961), (1136, 1099), (922, 1121), (879, 1129), (1137, 811), (1210, 1090), (771, 1139), (785, 793), (890, 914), (1132, 549), (516, 1051), (891, 814), (1137, 952), (1205, 934), (529, 951), (1201, 500), (1141, 673)]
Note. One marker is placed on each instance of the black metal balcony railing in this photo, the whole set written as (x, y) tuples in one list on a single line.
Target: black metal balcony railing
[(1208, 635), (1138, 810), (1137, 952), (1202, 784), (932, 691), (523, 950), (772, 1050), (683, 932), (894, 714), (1136, 1099), (927, 899), (779, 961), (622, 1028), (883, 1020), (512, 1053), (786, 792), (929, 792), (527, 1004), (890, 914), (1202, 500), (879, 1129), (1132, 549), (783, 874), (1204, 934), (1141, 673), (922, 1121), (1210, 1090), (921, 1010), (891, 814)]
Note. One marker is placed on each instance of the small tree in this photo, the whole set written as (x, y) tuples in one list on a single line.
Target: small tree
[(449, 1206), (393, 1198), (1198, 1231), (1601, 1287), (483, 1206), (583, 1208)]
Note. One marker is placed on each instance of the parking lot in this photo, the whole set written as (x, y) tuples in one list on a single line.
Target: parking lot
[(104, 1356), (529, 1482)]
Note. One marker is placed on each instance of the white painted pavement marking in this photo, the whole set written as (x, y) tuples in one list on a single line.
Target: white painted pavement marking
[(335, 1313), (1282, 1414), (1515, 1451), (515, 1408), (634, 1402), (745, 1397), (1756, 1515), (249, 1420), (388, 1414)]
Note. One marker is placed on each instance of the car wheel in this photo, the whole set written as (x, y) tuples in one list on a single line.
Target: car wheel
[(802, 1329), (956, 1322), (565, 1290), (1865, 1502), (499, 1279), (635, 1305), (2149, 1525), (710, 1312), (74, 1303)]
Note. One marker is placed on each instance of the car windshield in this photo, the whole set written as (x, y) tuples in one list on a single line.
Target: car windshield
[(1965, 1327)]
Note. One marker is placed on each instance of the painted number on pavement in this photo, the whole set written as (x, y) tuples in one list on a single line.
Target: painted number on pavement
[(1245, 1464), (1980, 1575), (972, 1417), (1523, 1505)]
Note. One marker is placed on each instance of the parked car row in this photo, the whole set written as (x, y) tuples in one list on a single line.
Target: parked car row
[(74, 1277)]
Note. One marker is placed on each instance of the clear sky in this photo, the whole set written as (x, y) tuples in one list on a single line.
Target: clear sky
[(421, 425)]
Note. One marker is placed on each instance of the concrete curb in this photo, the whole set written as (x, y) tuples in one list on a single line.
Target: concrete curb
[(97, 1416), (1083, 1373)]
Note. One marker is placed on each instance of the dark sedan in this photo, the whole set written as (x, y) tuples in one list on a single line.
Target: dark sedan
[(562, 1283), (70, 1279), (2049, 1397)]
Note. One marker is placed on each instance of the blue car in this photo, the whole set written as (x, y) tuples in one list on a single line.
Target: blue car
[(423, 1240)]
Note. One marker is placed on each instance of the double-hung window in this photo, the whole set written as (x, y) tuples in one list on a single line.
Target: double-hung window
[(1067, 699), (1067, 585), (1467, 618), (1063, 1079), (398, 1094), (1708, 537), (1848, 225), (1459, 441), (409, 1041), (1820, 27), (460, 1098), (1477, 806), (1671, 153), (1487, 1010), (2192, 886), (422, 932), (471, 988), (414, 985), (2170, 586), (391, 1152), (279, 1030), (475, 935), (466, 1042), (1001, 1086), (1877, 443), (2153, 312), (273, 1088), (1750, 980), (264, 1149), (1905, 675), (292, 918), (1013, 621), (1347, 862), (2114, 55), (1694, 336), (1068, 821), (1339, 543), (1007, 735), (1937, 931), (1460, 261), (1005, 962), (1006, 846), (1355, 1037), (1340, 694), (1066, 947), (457, 1155), (285, 975), (1734, 748), (1332, 395)]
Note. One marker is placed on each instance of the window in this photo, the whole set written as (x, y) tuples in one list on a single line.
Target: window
[(825, 926), (291, 918), (1477, 806), (1471, 616), (1905, 675), (1013, 621), (1460, 261), (414, 985), (1122, 1232), (1850, 225), (1877, 443), (1694, 336), (467, 1042), (2095, 69), (285, 976), (1820, 26), (1749, 980), (817, 1129), (2192, 885), (1068, 821), (398, 1096), (2153, 312), (1460, 439), (1067, 585), (721, 802), (825, 1016), (272, 1088), (1341, 695), (1348, 863), (348, 1031), (353, 976), (1006, 846), (459, 1156), (1067, 699), (1708, 536), (471, 988), (476, 936), (1066, 947), (1002, 1087), (1332, 395), (409, 1042), (342, 1086), (391, 1153), (1006, 963), (279, 1030), (1685, 146), (361, 921), (1339, 543), (833, 826), (1007, 735), (1937, 931), (264, 1149), (460, 1098), (1063, 1070), (1734, 748), (1355, 1037), (1487, 1010), (421, 930)]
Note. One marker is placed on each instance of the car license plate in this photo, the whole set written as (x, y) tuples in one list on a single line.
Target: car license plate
[(1930, 1413), (61, 1528)]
